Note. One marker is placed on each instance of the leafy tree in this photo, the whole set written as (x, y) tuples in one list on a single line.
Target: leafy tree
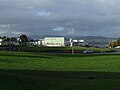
[(113, 44), (23, 40), (13, 39), (118, 41), (4, 37), (7, 39)]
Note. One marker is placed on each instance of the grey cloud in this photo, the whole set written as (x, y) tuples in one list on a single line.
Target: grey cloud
[(87, 17)]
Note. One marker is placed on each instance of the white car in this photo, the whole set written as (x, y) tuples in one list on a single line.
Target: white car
[(88, 51)]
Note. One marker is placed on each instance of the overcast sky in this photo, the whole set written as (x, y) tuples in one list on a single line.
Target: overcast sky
[(57, 17)]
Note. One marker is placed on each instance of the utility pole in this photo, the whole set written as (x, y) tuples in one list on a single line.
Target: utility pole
[(10, 27), (72, 40), (110, 44)]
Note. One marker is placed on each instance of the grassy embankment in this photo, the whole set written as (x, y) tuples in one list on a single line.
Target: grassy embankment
[(35, 71), (61, 49)]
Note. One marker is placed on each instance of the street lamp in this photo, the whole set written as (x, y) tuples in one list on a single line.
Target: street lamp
[(72, 41), (10, 28)]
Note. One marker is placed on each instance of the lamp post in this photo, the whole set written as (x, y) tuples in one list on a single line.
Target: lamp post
[(10, 36), (10, 27), (72, 41)]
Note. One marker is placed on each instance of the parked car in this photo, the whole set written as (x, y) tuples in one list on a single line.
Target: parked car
[(88, 51)]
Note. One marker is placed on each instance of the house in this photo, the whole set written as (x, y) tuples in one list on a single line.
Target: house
[(39, 42), (8, 41), (77, 42), (117, 47)]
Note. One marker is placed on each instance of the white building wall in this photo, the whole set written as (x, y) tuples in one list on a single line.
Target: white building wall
[(1, 41), (54, 41)]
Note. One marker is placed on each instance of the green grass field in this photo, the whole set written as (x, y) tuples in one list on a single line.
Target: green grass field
[(36, 71), (54, 49)]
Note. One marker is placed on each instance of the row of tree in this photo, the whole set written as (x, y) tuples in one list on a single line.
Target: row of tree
[(23, 39), (114, 43)]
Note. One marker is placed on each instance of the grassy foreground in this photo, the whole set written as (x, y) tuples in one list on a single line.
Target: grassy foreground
[(35, 71)]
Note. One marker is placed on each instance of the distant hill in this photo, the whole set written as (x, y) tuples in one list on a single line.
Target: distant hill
[(97, 40)]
